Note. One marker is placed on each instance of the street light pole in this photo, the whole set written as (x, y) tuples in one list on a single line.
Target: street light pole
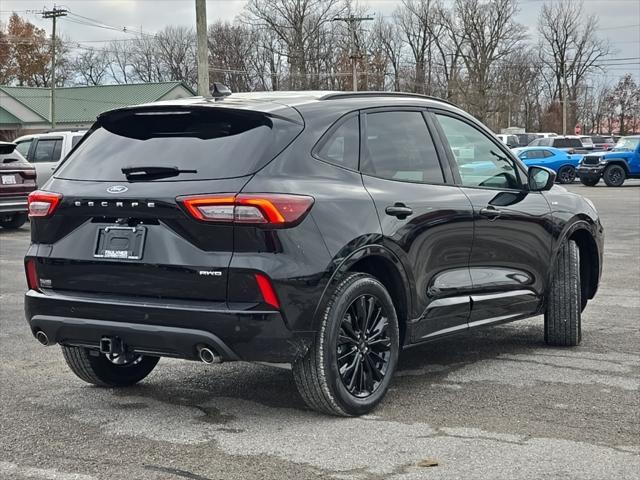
[(203, 48)]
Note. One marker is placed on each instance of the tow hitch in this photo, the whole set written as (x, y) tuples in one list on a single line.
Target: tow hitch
[(111, 346)]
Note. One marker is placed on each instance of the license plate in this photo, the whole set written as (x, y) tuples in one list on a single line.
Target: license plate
[(9, 180), (120, 243)]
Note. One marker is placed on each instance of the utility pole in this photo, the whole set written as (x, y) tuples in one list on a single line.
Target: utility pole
[(53, 14), (203, 48), (351, 20), (565, 102)]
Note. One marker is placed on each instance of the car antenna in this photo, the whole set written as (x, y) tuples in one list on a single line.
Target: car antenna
[(220, 90)]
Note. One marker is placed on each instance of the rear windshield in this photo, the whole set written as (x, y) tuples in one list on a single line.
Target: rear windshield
[(567, 143), (216, 143)]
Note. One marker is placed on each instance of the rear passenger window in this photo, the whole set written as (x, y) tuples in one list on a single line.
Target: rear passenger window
[(342, 146), (75, 139), (47, 150), (399, 147)]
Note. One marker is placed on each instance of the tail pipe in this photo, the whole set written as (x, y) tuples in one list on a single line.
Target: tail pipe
[(42, 338), (206, 355)]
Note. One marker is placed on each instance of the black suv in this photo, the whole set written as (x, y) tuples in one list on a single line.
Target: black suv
[(324, 230)]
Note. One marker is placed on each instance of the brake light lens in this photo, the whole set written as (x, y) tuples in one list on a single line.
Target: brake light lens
[(43, 204), (32, 274), (266, 209), (266, 290)]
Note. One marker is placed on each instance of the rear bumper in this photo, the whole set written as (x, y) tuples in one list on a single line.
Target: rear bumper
[(165, 329), (13, 204)]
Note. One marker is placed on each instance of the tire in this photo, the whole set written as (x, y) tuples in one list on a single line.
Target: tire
[(566, 174), (562, 319), (95, 368), (614, 175), (589, 181), (331, 375), (18, 220)]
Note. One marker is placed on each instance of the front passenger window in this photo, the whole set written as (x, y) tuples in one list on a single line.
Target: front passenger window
[(480, 161)]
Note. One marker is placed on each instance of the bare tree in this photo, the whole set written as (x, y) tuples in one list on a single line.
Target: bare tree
[(485, 34), (388, 36), (176, 53), (569, 48), (91, 66), (297, 24), (120, 58)]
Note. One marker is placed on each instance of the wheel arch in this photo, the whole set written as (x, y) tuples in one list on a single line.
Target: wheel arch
[(618, 161), (386, 267), (590, 268)]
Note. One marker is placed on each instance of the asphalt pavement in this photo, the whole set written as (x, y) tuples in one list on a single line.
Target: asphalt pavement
[(492, 404)]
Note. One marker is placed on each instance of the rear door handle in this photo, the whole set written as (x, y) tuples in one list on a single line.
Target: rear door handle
[(399, 210), (490, 212)]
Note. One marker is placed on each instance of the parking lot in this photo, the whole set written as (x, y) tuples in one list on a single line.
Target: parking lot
[(493, 404)]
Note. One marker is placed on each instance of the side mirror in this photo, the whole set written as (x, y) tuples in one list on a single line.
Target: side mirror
[(540, 179)]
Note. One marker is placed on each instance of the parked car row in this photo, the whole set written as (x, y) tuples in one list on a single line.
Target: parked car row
[(614, 166), (577, 143)]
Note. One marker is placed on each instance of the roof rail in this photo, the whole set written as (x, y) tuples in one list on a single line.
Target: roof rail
[(62, 129), (336, 95)]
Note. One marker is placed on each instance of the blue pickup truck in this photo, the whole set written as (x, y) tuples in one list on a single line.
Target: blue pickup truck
[(614, 166)]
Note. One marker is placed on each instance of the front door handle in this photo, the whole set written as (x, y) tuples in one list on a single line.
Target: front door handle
[(399, 210), (490, 212)]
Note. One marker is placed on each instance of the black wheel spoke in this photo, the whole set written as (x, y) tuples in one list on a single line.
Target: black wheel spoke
[(363, 346), (371, 364)]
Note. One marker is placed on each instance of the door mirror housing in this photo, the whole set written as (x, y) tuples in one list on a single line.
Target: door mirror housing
[(540, 179)]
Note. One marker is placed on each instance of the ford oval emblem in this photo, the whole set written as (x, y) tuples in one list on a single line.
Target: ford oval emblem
[(117, 189)]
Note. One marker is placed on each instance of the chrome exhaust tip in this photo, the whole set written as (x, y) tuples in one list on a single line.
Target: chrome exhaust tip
[(42, 338), (206, 355)]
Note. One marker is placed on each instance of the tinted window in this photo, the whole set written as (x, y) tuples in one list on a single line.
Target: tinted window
[(567, 143), (342, 146), (23, 147), (547, 153), (480, 161), (531, 154), (75, 139), (399, 147), (47, 150), (218, 143)]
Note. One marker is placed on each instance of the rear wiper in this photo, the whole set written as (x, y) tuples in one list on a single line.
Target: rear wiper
[(150, 172)]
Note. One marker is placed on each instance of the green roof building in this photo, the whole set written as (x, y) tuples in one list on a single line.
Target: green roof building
[(26, 110)]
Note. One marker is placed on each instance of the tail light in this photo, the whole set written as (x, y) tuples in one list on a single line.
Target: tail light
[(32, 274), (266, 290), (261, 209), (43, 204)]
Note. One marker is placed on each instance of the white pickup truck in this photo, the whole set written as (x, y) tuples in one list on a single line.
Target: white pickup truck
[(45, 150)]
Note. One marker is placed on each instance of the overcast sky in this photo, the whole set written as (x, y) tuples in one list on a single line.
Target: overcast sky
[(619, 20)]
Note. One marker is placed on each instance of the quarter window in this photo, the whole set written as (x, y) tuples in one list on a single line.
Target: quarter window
[(480, 161), (23, 147), (399, 147), (342, 146)]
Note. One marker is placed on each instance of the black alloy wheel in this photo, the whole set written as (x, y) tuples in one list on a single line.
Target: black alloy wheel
[(614, 176), (566, 174), (364, 346)]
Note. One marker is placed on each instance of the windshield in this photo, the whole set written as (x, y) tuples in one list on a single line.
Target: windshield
[(626, 144), (198, 144), (567, 143)]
